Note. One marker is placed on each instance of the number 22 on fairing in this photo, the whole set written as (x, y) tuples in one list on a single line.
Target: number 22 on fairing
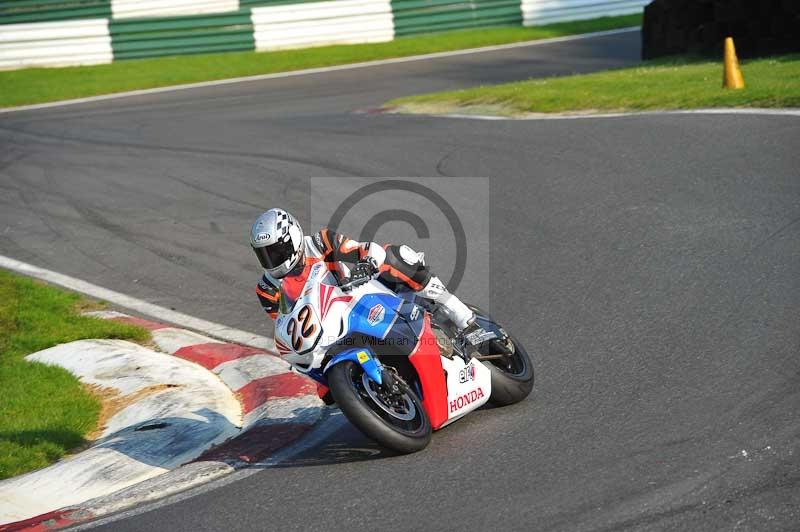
[(303, 329)]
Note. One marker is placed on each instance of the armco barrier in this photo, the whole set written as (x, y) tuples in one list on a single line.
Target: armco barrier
[(63, 42), (321, 23), (195, 34), (165, 8), (426, 16), (21, 11), (537, 12), (78, 32)]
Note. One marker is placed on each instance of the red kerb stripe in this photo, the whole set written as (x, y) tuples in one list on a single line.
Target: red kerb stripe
[(48, 521), (212, 355), (147, 324), (257, 392)]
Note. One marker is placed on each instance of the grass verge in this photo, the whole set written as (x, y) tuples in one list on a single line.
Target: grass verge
[(38, 85), (663, 85), (44, 411)]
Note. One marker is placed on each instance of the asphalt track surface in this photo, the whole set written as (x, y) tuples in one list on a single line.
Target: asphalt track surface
[(650, 263)]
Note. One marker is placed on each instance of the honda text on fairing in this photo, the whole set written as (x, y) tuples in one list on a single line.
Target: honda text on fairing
[(398, 354)]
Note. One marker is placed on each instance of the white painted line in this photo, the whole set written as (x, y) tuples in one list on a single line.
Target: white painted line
[(105, 314), (564, 116), (216, 330), (733, 111), (321, 70)]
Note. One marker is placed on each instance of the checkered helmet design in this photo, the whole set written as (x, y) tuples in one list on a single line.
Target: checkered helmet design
[(277, 240)]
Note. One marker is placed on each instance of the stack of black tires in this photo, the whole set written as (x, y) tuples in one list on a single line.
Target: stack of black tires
[(699, 27)]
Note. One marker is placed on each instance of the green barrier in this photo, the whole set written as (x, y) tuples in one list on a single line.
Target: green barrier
[(196, 34), (25, 11), (261, 3), (424, 16)]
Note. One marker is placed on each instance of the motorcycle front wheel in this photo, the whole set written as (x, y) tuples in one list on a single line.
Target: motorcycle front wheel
[(399, 423)]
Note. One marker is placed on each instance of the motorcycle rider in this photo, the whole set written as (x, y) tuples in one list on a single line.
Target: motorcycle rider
[(287, 257)]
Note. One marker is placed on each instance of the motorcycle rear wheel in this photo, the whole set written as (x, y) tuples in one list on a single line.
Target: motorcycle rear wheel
[(404, 429), (512, 377)]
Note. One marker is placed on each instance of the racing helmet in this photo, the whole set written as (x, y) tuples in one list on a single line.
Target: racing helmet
[(277, 240)]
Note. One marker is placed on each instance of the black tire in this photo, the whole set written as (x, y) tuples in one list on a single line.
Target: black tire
[(513, 383), (344, 381), (512, 380)]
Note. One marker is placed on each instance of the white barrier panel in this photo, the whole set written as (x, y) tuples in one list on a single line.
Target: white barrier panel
[(166, 8), (537, 12), (58, 43), (322, 23)]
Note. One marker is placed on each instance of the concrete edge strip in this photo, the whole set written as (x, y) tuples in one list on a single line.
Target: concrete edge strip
[(321, 70), (192, 476), (566, 116), (212, 329), (331, 422), (193, 410), (258, 442), (178, 480)]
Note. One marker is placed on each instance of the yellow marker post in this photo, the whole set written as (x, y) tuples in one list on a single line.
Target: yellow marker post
[(732, 78)]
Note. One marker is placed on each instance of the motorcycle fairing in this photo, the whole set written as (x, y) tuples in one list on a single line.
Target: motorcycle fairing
[(413, 315), (405, 332), (451, 388), (374, 314), (469, 386), (427, 361)]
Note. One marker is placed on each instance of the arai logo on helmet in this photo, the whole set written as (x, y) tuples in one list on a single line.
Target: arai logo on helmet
[(262, 237), (376, 314)]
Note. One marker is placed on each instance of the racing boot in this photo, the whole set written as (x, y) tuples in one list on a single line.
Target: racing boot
[(470, 334), (452, 307)]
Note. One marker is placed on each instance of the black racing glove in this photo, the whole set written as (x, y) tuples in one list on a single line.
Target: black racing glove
[(363, 271)]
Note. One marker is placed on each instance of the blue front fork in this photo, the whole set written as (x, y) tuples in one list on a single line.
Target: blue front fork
[(371, 365)]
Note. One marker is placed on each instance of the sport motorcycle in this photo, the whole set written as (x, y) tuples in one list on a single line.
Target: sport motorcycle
[(395, 366)]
